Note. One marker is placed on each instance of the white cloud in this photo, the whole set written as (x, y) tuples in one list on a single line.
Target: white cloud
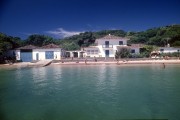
[(61, 33)]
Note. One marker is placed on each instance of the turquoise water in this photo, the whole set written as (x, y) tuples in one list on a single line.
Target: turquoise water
[(87, 92)]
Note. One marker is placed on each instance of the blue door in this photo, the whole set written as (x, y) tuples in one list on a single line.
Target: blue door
[(26, 56), (107, 53), (37, 56), (49, 54)]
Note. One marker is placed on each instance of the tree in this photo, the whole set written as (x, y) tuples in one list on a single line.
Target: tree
[(148, 49), (48, 40), (8, 42), (122, 52), (39, 40)]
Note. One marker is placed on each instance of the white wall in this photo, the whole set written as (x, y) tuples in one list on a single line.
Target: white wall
[(137, 50), (17, 54), (169, 49), (112, 50), (87, 54), (57, 53), (111, 41)]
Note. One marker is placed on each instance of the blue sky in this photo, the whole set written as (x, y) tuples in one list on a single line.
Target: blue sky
[(62, 18)]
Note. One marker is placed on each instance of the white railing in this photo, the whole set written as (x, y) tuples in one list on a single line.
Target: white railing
[(107, 46)]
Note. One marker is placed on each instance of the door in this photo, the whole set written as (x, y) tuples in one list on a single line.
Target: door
[(49, 54), (75, 54), (107, 53), (26, 55), (37, 56), (106, 44)]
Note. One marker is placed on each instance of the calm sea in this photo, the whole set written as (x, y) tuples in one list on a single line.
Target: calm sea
[(90, 92)]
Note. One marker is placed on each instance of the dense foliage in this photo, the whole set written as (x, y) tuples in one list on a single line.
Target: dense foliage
[(8, 42), (156, 36), (39, 40), (122, 52)]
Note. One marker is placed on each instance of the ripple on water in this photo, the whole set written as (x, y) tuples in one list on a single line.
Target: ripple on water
[(91, 92)]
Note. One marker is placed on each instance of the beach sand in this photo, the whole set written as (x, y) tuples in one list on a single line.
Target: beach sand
[(136, 62), (124, 62)]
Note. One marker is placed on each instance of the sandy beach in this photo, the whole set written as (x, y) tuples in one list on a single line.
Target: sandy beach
[(135, 62), (124, 62)]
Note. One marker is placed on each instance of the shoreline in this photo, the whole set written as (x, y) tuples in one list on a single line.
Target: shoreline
[(137, 62), (123, 62)]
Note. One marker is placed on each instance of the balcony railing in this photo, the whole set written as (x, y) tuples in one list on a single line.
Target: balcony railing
[(107, 46)]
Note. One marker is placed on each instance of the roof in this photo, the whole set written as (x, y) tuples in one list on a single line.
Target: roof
[(122, 46), (35, 47), (113, 37), (91, 47), (28, 47), (137, 45), (50, 46), (132, 46)]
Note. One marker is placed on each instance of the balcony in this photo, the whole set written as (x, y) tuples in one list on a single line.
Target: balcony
[(107, 46)]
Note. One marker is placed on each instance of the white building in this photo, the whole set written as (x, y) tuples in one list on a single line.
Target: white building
[(30, 53), (106, 46), (168, 49), (161, 50), (135, 48)]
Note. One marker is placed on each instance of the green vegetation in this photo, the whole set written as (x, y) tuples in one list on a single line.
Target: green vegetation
[(38, 40), (122, 52), (8, 42), (158, 36), (146, 50), (155, 36)]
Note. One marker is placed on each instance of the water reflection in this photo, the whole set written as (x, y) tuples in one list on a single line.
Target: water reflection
[(44, 79), (91, 92)]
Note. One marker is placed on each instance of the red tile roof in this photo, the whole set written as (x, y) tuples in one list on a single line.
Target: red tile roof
[(35, 47), (50, 46), (28, 47), (113, 37), (137, 45)]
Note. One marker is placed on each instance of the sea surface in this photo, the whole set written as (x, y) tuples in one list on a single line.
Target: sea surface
[(90, 92)]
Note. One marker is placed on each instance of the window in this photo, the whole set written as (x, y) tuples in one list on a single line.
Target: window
[(132, 51), (92, 51), (106, 42), (120, 42), (88, 52), (95, 51), (161, 50)]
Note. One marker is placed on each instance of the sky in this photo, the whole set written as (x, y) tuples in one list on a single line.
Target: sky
[(63, 18)]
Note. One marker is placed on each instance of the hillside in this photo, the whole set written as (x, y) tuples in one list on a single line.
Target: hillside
[(156, 36), (87, 38)]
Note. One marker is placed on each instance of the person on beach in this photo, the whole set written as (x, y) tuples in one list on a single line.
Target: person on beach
[(62, 61), (77, 61), (95, 59), (164, 66), (86, 61)]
